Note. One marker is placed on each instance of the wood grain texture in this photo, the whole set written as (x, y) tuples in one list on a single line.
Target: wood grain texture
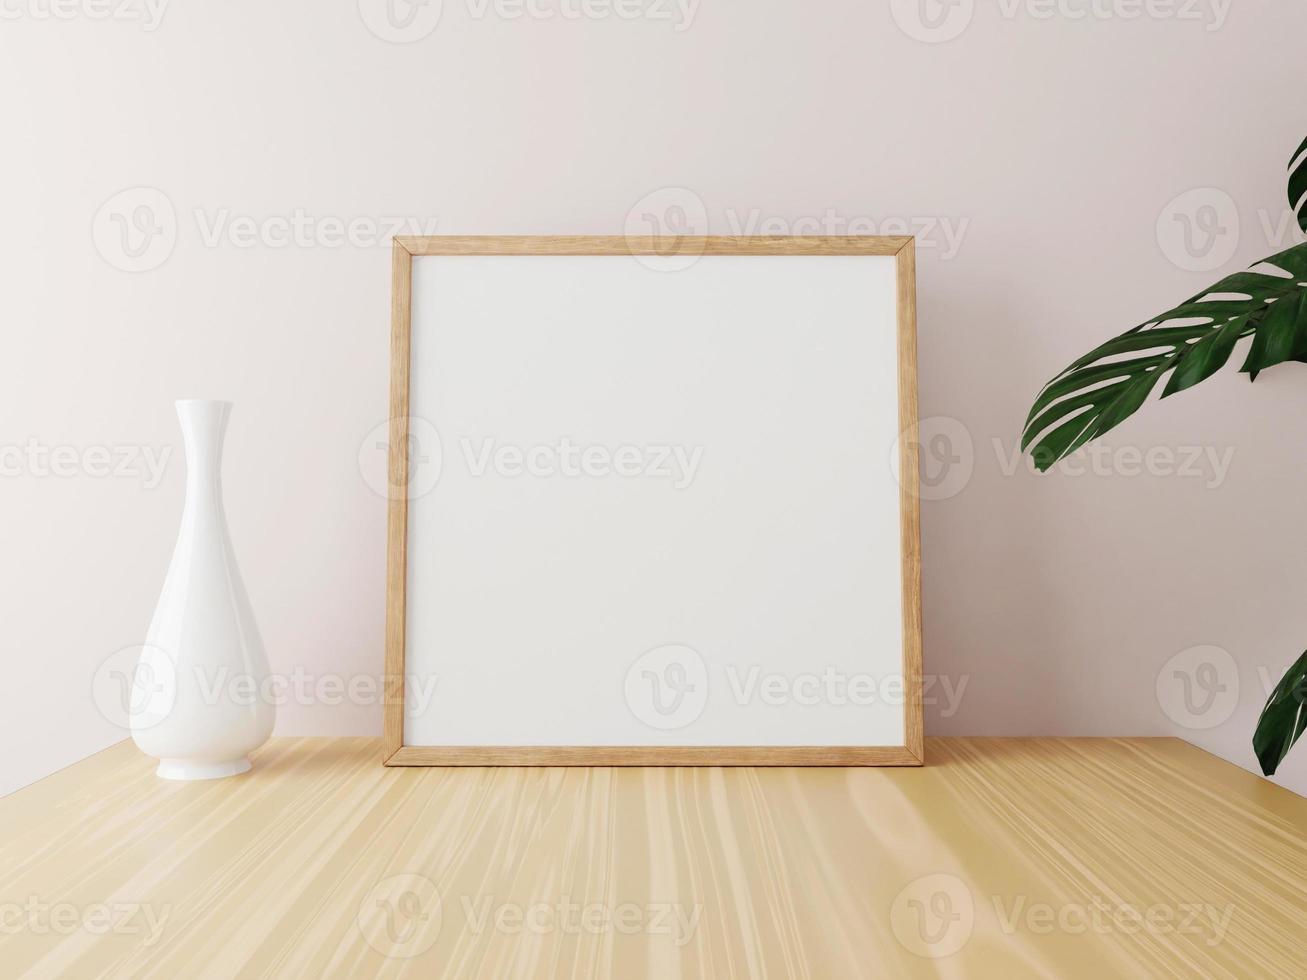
[(320, 863), (910, 497), (652, 755), (651, 245), (395, 753), (401, 297)]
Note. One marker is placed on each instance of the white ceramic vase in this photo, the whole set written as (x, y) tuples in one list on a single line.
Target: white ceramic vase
[(201, 701)]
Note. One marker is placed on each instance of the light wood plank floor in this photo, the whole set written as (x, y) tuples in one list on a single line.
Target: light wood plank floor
[(1003, 858)]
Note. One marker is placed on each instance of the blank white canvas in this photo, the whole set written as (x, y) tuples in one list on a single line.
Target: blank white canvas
[(725, 603)]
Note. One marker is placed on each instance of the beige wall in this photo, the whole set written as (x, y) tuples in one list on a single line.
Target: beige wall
[(1040, 155)]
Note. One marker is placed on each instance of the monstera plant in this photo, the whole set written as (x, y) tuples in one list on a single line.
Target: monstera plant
[(1183, 346)]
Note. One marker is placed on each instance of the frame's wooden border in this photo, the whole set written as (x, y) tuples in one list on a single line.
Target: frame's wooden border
[(396, 753)]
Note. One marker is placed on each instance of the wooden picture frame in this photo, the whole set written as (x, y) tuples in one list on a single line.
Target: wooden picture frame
[(397, 753)]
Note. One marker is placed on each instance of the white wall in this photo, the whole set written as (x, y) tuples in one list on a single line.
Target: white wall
[(1050, 148)]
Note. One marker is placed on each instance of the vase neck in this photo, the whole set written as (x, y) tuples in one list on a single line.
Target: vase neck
[(204, 425)]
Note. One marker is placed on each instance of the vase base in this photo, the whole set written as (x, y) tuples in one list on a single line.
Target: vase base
[(186, 769)]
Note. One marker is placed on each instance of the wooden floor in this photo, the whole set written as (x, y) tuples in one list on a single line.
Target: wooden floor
[(1003, 858)]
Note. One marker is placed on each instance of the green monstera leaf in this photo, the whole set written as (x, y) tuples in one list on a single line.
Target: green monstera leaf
[(1298, 185), (1189, 343), (1283, 719)]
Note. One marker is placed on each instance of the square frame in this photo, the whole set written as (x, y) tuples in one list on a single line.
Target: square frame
[(396, 753)]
